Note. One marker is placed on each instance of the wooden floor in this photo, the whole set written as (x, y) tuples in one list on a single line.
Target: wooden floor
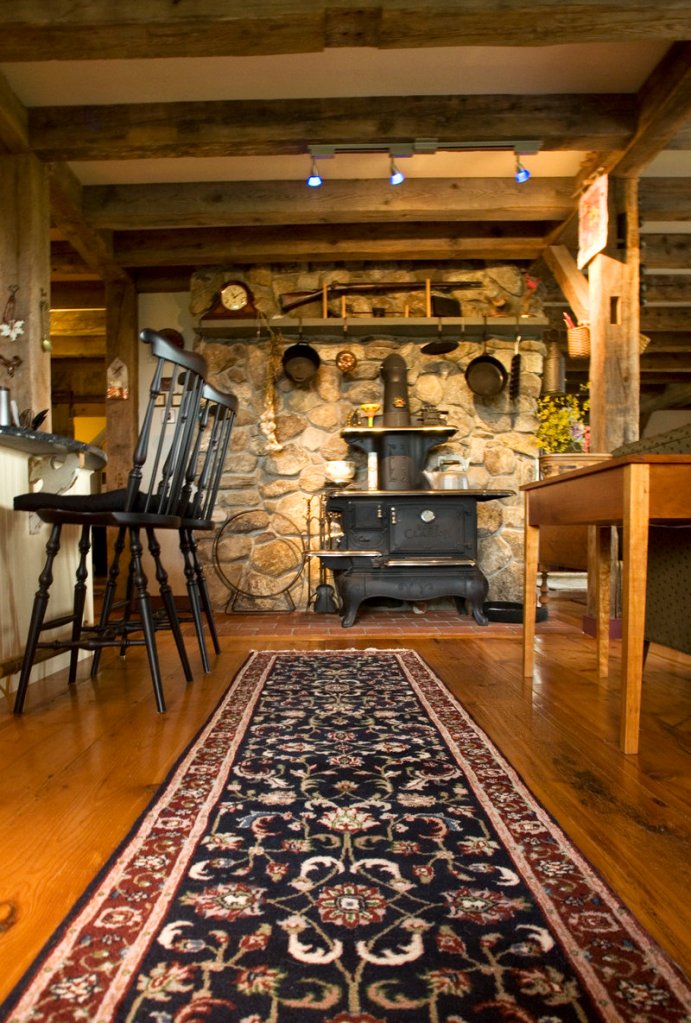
[(78, 767)]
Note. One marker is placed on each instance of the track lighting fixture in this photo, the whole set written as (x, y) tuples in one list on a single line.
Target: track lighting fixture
[(423, 147), (522, 173), (396, 176), (314, 180)]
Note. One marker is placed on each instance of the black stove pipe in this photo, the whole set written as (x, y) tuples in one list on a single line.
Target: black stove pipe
[(396, 406), (397, 469)]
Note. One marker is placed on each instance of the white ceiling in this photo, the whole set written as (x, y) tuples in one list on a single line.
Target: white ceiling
[(592, 68)]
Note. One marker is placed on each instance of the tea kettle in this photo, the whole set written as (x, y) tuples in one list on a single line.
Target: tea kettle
[(450, 474)]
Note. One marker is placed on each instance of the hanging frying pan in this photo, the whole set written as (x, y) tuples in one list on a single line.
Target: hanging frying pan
[(439, 347), (486, 376)]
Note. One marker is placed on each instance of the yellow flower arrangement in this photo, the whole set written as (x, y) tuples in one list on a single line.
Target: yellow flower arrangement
[(562, 423)]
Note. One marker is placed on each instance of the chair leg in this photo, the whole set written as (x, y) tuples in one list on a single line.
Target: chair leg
[(140, 584), (109, 594), (169, 603), (204, 594), (194, 596), (127, 610), (79, 600), (38, 615)]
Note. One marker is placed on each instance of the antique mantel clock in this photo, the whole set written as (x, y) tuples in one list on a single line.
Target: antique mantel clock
[(234, 300)]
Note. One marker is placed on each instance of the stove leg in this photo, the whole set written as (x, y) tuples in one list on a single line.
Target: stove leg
[(478, 588), (351, 593)]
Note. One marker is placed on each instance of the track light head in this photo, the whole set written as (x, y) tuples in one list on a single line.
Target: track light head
[(314, 180), (522, 173), (396, 176)]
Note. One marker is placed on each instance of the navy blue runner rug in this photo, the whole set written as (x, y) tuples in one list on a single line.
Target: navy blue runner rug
[(342, 844)]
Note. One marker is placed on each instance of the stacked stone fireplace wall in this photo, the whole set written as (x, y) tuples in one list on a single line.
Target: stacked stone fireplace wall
[(268, 510)]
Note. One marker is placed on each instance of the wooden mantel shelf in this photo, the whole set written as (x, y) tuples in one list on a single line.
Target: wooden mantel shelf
[(372, 328)]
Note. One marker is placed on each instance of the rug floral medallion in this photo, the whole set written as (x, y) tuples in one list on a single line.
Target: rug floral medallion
[(342, 844)]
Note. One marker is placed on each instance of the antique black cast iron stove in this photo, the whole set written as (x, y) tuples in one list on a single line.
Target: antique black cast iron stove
[(403, 540)]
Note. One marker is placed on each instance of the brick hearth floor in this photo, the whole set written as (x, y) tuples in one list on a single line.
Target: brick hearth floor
[(370, 622)]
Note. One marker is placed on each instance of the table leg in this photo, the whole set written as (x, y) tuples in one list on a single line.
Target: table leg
[(603, 564), (635, 557), (532, 546)]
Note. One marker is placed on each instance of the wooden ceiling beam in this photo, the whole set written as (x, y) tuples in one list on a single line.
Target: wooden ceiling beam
[(666, 251), (670, 318), (94, 248), (289, 126), (238, 203), (664, 199), (14, 121), (101, 29), (354, 242), (82, 322), (663, 112), (664, 108)]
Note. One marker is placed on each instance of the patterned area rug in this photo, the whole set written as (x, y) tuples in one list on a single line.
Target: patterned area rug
[(342, 844)]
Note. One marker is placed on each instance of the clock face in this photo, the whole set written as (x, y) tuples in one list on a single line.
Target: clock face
[(234, 296)]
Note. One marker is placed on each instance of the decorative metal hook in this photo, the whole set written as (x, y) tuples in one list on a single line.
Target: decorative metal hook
[(10, 364)]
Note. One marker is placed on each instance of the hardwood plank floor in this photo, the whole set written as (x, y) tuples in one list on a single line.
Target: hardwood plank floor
[(79, 766)]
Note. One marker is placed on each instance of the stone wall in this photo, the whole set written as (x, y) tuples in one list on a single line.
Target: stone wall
[(286, 432)]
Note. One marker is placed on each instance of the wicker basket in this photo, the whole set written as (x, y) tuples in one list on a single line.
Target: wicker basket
[(578, 341)]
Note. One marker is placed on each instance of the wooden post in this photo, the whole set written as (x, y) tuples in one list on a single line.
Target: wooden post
[(615, 335), (615, 325), (25, 264), (122, 416)]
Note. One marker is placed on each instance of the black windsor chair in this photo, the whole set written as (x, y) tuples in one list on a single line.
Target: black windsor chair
[(218, 412), (173, 408), (195, 507)]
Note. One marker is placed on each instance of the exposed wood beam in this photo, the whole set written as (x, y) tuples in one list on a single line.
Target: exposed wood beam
[(666, 251), (665, 319), (664, 288), (77, 347), (667, 342), (354, 242), (572, 282), (673, 396), (92, 246), (84, 322), (14, 121), (288, 126), (77, 294), (663, 110), (665, 199), (102, 29), (218, 204), (665, 106)]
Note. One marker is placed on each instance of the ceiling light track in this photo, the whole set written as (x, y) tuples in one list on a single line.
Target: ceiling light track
[(404, 150), (419, 147)]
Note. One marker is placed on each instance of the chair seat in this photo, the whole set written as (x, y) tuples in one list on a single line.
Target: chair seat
[(106, 509), (198, 524), (110, 500)]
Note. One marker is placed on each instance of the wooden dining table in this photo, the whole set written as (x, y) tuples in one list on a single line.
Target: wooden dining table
[(633, 492)]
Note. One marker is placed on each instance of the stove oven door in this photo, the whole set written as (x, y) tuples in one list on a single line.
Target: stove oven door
[(428, 528)]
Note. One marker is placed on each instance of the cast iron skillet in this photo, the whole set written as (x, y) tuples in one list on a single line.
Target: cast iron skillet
[(486, 376)]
